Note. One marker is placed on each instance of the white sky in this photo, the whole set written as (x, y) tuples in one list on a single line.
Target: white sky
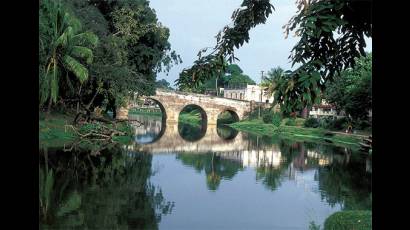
[(194, 24)]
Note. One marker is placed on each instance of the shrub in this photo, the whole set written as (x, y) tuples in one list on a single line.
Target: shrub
[(291, 122), (267, 117), (363, 125), (277, 119), (311, 123), (344, 220), (339, 124), (326, 122)]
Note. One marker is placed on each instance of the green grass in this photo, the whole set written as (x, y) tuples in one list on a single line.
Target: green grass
[(192, 118), (145, 112), (296, 133), (53, 131), (348, 220)]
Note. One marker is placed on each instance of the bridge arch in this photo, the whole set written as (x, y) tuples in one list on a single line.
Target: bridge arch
[(227, 116), (188, 129), (151, 130)]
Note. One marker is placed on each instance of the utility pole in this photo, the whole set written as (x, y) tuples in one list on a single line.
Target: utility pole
[(216, 83), (260, 94)]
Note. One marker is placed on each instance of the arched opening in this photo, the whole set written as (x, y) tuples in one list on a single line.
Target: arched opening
[(227, 133), (227, 117), (192, 123), (151, 120)]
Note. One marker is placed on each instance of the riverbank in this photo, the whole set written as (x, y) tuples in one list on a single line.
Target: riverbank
[(298, 133), (147, 112), (55, 131)]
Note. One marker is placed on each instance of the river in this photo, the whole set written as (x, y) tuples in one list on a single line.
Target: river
[(179, 176)]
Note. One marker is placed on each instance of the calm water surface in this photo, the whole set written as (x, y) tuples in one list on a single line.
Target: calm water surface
[(187, 177)]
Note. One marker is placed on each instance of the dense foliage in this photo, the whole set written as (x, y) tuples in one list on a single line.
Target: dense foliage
[(351, 91), (360, 220), (331, 37), (133, 46), (311, 123), (232, 76), (163, 84)]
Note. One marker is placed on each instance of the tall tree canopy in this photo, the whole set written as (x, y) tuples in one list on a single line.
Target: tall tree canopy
[(133, 48), (351, 91), (331, 37)]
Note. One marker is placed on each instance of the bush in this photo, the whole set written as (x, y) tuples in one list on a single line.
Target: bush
[(277, 119), (346, 220), (267, 117), (339, 124), (291, 122), (311, 123), (363, 125), (326, 122)]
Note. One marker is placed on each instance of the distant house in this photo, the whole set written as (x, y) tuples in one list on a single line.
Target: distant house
[(246, 92), (325, 109)]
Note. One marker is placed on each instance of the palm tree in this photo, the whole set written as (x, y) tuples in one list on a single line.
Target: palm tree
[(272, 79), (65, 46)]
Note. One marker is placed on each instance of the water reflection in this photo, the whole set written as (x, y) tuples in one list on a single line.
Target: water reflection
[(343, 177), (108, 191), (235, 179), (192, 133)]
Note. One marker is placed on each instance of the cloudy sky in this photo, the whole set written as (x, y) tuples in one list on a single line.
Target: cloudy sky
[(194, 23)]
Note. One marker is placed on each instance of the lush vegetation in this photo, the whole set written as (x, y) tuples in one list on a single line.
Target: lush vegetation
[(163, 84), (351, 91), (331, 38), (360, 220), (93, 57), (192, 117), (231, 76), (99, 53), (297, 133)]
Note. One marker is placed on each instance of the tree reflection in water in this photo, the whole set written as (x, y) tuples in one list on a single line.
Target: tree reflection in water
[(215, 167), (342, 175), (108, 191), (226, 132), (192, 132)]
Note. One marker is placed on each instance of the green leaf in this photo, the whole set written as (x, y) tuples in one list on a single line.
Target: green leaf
[(86, 38), (83, 52), (76, 67)]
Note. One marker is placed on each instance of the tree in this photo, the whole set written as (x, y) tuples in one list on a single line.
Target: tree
[(163, 84), (134, 47), (320, 53), (270, 81), (66, 48), (351, 91), (235, 76)]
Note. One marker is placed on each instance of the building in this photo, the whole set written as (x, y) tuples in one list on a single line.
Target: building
[(246, 93), (324, 110)]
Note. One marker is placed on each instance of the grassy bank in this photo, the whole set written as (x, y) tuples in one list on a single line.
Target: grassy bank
[(145, 112), (53, 131), (297, 133)]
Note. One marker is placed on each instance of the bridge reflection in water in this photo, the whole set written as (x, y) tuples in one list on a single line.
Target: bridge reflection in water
[(156, 137)]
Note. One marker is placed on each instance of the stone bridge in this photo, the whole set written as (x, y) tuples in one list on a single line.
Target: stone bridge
[(173, 102), (169, 140)]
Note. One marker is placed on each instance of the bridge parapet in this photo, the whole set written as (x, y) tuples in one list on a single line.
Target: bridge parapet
[(173, 102)]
